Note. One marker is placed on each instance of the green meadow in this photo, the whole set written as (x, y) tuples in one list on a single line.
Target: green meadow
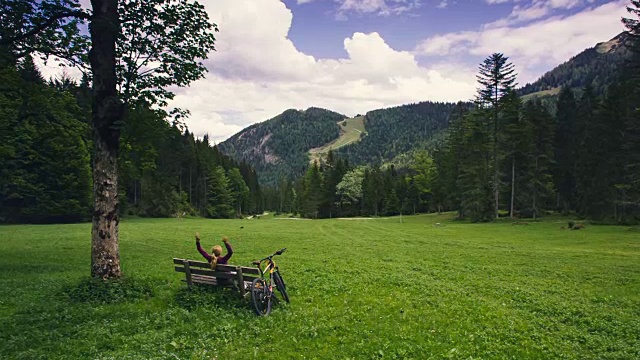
[(359, 288)]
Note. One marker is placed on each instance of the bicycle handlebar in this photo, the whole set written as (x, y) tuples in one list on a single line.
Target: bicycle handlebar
[(279, 252)]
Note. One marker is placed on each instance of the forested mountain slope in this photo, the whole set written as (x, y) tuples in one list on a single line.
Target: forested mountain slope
[(597, 66), (395, 130), (278, 147)]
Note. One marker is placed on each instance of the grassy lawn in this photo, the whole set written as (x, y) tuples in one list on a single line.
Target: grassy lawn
[(360, 289)]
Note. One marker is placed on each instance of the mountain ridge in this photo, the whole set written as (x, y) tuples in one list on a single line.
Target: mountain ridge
[(389, 132)]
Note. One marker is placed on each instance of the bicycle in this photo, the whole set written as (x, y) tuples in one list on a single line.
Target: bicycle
[(262, 287)]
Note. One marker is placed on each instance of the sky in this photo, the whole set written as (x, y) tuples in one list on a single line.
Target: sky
[(352, 56)]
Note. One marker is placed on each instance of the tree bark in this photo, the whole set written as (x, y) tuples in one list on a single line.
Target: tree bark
[(107, 117)]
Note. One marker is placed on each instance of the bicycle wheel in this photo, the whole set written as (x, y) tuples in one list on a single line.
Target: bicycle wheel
[(260, 297), (277, 278)]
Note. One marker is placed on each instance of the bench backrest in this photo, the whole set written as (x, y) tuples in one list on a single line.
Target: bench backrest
[(222, 271)]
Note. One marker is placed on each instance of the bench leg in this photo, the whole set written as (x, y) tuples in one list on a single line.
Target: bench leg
[(240, 281)]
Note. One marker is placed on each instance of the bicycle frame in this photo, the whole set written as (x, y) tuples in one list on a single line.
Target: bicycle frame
[(262, 288), (271, 267)]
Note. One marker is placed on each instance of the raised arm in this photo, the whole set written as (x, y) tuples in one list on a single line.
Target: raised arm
[(201, 250), (229, 249)]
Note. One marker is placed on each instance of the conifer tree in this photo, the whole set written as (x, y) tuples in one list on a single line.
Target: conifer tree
[(565, 149), (496, 76)]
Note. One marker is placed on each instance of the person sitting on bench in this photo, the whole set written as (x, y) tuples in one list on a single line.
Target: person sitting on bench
[(214, 258)]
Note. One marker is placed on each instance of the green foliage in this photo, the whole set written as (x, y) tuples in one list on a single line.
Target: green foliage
[(98, 291), (239, 190), (496, 77), (396, 130), (486, 290), (426, 172), (160, 45), (219, 198), (311, 192), (45, 171), (596, 67), (23, 33), (349, 190), (278, 148)]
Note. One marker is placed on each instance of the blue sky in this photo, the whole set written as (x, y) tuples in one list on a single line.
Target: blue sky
[(352, 56)]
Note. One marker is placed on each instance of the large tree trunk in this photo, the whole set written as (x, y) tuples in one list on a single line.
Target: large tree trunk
[(107, 117)]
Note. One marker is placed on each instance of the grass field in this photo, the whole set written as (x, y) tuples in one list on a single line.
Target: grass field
[(360, 289), (350, 131)]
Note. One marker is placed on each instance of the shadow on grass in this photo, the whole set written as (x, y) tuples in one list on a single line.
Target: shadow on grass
[(202, 296), (125, 289)]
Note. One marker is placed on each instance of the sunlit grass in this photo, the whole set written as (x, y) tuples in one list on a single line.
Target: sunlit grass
[(359, 289)]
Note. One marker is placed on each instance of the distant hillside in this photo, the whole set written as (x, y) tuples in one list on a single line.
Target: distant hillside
[(278, 147), (283, 146), (597, 66), (396, 130)]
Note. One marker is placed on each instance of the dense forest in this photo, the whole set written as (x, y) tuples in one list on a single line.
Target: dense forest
[(496, 156), (598, 67), (502, 157), (278, 147), (46, 157), (394, 131)]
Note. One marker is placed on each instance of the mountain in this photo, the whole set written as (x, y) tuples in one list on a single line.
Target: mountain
[(278, 147), (283, 146), (396, 130), (597, 66)]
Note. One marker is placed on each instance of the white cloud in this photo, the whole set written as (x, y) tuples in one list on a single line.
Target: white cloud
[(257, 73), (378, 7), (542, 43), (526, 12), (443, 4)]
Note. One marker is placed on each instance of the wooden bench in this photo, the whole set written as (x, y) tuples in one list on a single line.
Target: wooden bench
[(200, 272)]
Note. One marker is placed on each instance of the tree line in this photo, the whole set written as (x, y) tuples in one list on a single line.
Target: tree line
[(394, 131), (503, 157), (46, 158)]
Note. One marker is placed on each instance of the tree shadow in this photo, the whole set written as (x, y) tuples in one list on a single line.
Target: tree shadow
[(210, 297)]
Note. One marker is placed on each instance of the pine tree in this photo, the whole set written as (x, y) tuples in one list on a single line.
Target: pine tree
[(586, 145), (219, 198), (426, 173), (497, 77), (565, 149), (312, 192), (474, 178), (239, 189), (542, 127), (631, 142), (514, 135)]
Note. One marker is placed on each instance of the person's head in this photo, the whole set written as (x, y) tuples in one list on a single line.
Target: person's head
[(217, 250)]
